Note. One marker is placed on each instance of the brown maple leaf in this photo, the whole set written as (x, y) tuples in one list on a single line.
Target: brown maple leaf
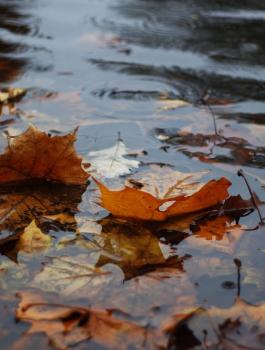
[(67, 325), (19, 205), (137, 204), (37, 155), (241, 326), (134, 248)]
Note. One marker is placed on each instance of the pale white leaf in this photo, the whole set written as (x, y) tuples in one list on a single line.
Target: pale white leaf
[(110, 162)]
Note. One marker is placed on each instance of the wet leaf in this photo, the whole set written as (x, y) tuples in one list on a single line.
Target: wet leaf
[(69, 276), (11, 95), (33, 239), (214, 229), (36, 155), (213, 148), (67, 325), (166, 183), (20, 205), (137, 204), (216, 234), (231, 328), (110, 162), (134, 249)]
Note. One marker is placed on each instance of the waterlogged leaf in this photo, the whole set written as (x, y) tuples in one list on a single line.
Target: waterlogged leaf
[(241, 326), (166, 183), (69, 276), (133, 248), (219, 233), (110, 162), (11, 95), (211, 148), (37, 155), (67, 326), (137, 204), (214, 229), (20, 205), (33, 239)]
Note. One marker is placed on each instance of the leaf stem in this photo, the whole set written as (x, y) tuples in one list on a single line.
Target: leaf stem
[(253, 199), (205, 103)]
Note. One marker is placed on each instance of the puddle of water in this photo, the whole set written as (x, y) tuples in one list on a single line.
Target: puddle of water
[(107, 67)]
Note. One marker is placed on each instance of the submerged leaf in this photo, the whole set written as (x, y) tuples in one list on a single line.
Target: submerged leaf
[(213, 148), (133, 248), (69, 276), (11, 95), (33, 239), (110, 162), (37, 155), (67, 325), (137, 204), (231, 328), (20, 205)]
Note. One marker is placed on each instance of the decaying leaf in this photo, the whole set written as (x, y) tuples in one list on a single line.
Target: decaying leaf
[(133, 248), (67, 326), (217, 234), (137, 204), (20, 205), (36, 155), (110, 162), (215, 229), (240, 327), (33, 239), (212, 148), (11, 95), (69, 276)]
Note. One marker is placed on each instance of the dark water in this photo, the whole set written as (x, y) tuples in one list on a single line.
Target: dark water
[(107, 66)]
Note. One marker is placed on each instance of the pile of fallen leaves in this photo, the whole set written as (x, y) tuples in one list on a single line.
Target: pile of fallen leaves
[(42, 183)]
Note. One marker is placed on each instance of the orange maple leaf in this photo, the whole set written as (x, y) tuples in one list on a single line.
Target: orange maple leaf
[(137, 204), (37, 155)]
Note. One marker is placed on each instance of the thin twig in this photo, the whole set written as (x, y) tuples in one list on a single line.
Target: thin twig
[(253, 199)]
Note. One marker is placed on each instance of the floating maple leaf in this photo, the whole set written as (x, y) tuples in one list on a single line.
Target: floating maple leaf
[(37, 155), (167, 183), (137, 204), (233, 328), (110, 162), (67, 325), (210, 147)]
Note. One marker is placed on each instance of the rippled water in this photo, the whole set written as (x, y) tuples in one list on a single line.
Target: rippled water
[(107, 66)]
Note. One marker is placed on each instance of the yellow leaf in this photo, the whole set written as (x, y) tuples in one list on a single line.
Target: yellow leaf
[(33, 239)]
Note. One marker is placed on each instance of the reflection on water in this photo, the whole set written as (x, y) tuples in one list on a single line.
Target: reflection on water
[(140, 69), (13, 20), (17, 23)]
